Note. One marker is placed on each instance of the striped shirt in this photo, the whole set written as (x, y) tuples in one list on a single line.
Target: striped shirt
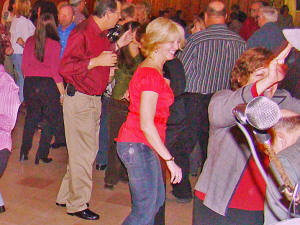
[(209, 57), (9, 105)]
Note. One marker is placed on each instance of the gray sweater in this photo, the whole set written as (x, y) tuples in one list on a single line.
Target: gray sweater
[(290, 160), (228, 151)]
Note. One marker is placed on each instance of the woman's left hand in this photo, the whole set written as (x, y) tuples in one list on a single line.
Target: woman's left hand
[(61, 99), (176, 172), (276, 71), (272, 74)]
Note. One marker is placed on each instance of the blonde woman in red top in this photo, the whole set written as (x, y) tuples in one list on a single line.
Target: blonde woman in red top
[(141, 137)]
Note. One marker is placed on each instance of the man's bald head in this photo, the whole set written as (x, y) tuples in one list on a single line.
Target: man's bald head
[(216, 9), (215, 13)]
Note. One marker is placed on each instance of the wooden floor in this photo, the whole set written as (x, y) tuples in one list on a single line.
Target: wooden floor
[(29, 192)]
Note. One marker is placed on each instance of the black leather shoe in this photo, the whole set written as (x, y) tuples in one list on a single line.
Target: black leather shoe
[(44, 160), (64, 205), (2, 209), (85, 214), (61, 205), (100, 167), (23, 157), (57, 145)]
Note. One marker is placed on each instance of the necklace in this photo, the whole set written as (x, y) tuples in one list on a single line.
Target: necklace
[(154, 62)]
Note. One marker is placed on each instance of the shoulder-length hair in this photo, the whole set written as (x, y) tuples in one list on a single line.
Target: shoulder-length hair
[(160, 31), (249, 61), (46, 28)]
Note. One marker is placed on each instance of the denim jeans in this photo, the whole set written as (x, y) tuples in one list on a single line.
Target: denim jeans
[(101, 157), (17, 61), (145, 181)]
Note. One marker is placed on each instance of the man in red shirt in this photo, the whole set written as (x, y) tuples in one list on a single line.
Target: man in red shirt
[(250, 25), (86, 66)]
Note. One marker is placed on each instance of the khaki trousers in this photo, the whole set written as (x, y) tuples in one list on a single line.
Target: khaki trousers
[(81, 117)]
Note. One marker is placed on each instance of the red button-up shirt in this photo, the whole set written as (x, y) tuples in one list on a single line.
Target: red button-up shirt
[(86, 41), (248, 28)]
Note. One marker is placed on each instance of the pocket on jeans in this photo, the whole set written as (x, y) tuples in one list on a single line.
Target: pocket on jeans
[(133, 160), (126, 153)]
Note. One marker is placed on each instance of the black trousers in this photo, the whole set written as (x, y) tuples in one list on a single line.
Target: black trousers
[(117, 114), (176, 139), (41, 97), (60, 133), (203, 215), (4, 155), (197, 122), (176, 142)]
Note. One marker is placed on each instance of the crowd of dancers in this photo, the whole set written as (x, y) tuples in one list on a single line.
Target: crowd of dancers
[(134, 94)]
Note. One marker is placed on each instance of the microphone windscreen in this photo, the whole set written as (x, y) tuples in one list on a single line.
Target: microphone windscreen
[(262, 113)]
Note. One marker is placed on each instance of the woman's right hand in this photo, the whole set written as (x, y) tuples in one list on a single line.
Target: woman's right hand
[(176, 172), (126, 95)]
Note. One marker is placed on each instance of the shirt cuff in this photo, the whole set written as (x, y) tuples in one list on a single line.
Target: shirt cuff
[(58, 79), (254, 91)]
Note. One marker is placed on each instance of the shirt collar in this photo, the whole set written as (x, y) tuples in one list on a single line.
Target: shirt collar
[(69, 28), (268, 24), (93, 27), (217, 26)]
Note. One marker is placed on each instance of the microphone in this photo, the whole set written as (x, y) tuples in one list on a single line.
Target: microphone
[(261, 113)]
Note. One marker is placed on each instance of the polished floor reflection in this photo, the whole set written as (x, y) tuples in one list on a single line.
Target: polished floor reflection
[(29, 192)]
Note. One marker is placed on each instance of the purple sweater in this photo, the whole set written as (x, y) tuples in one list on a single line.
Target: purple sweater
[(9, 105)]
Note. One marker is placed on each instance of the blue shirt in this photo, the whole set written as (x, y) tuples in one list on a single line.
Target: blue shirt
[(64, 35), (268, 36)]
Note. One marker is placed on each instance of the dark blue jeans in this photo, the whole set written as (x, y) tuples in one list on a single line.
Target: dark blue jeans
[(101, 157), (145, 181)]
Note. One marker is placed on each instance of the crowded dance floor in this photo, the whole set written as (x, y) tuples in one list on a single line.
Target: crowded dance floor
[(123, 112)]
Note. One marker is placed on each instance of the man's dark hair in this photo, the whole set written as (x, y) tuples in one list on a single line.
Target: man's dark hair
[(284, 7), (178, 13), (235, 7), (212, 12), (10, 5), (128, 11), (234, 16), (2, 51), (103, 6), (161, 13)]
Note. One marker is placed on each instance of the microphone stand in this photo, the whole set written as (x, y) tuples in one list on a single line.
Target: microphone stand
[(264, 175), (253, 151)]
